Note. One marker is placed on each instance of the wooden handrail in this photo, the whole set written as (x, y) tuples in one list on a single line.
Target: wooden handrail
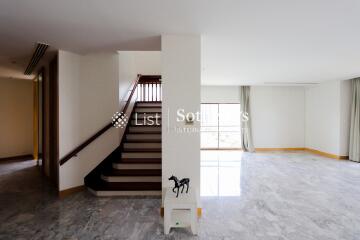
[(147, 85), (74, 152), (150, 79)]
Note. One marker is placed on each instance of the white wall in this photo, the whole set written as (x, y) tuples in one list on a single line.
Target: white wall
[(147, 62), (88, 97), (322, 121), (345, 114), (132, 63), (127, 74), (16, 121), (220, 94), (277, 116), (181, 73), (316, 117), (91, 89), (328, 117), (277, 113), (69, 101), (142, 62)]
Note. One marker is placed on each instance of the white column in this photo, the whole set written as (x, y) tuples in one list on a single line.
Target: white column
[(181, 76)]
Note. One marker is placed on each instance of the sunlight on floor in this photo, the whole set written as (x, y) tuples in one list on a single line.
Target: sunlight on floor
[(220, 173)]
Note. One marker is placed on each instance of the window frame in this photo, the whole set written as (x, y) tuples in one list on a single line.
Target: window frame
[(218, 127)]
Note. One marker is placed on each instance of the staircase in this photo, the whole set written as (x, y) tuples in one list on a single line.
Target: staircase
[(134, 168)]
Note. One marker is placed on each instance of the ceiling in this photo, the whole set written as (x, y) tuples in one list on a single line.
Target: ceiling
[(244, 42), (13, 67)]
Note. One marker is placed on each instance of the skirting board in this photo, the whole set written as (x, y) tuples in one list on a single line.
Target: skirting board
[(216, 149), (258, 149), (324, 154), (20, 158), (328, 155), (279, 149), (69, 191), (199, 212)]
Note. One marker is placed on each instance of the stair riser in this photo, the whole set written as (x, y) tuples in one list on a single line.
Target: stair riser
[(148, 104), (150, 155), (142, 145), (136, 171), (147, 110), (124, 193), (124, 166), (141, 160), (140, 116), (155, 150), (131, 178), (143, 137), (143, 140), (144, 129), (141, 122), (148, 117)]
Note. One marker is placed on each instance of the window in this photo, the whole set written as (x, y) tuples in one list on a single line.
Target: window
[(220, 126)]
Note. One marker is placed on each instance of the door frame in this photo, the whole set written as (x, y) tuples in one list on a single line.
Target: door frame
[(53, 101)]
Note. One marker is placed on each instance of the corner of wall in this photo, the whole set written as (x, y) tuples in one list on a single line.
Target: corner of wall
[(82, 113), (345, 112)]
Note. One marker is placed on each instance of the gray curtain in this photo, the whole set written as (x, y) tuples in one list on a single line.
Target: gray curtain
[(354, 148), (246, 138)]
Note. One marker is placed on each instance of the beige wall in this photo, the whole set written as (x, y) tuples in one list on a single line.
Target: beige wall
[(16, 117)]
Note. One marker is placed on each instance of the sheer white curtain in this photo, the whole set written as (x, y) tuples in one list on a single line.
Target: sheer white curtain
[(246, 137), (354, 148)]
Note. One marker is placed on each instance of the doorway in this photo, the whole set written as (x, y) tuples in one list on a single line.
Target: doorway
[(39, 116), (46, 134)]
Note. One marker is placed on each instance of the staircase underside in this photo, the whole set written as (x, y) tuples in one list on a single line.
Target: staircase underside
[(133, 169)]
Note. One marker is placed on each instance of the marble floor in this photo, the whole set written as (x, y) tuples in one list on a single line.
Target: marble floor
[(293, 195)]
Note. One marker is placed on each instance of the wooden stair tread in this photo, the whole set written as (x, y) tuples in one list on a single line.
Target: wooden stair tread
[(133, 172), (101, 185), (142, 141), (147, 115), (148, 126), (149, 102), (143, 150), (133, 114), (147, 106), (134, 125), (158, 132), (128, 170), (139, 160)]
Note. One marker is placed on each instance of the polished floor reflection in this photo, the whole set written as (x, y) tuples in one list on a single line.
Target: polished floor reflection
[(272, 196), (220, 173)]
